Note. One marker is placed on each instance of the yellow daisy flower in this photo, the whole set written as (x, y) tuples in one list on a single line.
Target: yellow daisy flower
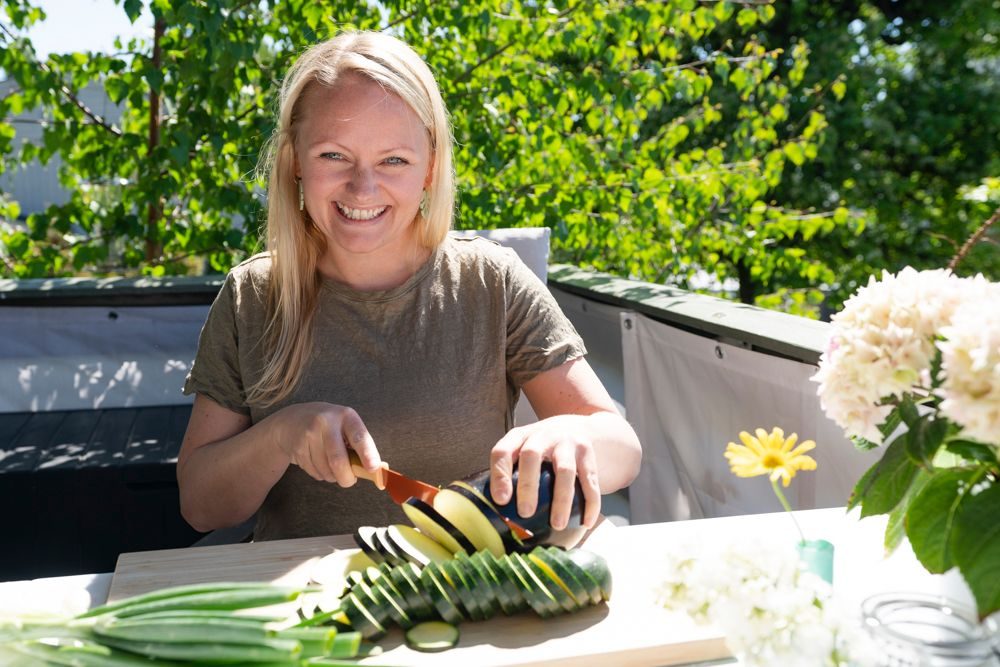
[(770, 453)]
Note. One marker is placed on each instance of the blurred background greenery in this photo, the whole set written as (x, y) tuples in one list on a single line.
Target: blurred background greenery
[(778, 153)]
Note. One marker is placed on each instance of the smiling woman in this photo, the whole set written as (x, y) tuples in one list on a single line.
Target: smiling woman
[(366, 327), (364, 163)]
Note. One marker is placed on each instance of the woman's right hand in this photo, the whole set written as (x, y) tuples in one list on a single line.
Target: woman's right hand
[(316, 437)]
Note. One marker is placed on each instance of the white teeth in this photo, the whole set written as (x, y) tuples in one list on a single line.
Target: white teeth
[(361, 213)]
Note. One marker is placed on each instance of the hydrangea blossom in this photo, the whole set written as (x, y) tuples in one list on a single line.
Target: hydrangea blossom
[(883, 344), (970, 362), (770, 610)]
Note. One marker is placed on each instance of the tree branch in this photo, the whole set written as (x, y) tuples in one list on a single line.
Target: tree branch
[(973, 240), (64, 89)]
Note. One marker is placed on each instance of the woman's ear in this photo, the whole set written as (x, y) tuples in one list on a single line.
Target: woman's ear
[(430, 172)]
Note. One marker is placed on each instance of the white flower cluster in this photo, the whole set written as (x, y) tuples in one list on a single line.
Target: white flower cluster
[(970, 362), (770, 610), (883, 344)]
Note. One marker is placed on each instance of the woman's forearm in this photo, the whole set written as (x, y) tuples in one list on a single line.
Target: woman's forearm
[(617, 449), (224, 483)]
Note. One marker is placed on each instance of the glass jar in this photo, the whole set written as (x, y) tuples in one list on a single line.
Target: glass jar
[(917, 630)]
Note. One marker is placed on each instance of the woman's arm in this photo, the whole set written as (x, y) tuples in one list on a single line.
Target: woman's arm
[(580, 431), (227, 465)]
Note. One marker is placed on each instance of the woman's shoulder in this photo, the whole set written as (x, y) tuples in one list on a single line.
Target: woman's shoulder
[(251, 276), (480, 253)]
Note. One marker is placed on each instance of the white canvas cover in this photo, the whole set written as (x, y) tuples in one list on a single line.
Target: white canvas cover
[(688, 396)]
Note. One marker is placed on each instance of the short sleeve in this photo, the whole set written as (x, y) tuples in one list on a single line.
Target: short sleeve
[(539, 335), (216, 371)]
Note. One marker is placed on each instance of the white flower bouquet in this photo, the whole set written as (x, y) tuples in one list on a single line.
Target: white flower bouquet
[(913, 366)]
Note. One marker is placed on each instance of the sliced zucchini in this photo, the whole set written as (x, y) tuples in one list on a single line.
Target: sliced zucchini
[(430, 522), (508, 581), (595, 567), (417, 606), (361, 618), (589, 583), (432, 636), (373, 600), (552, 582), (396, 612), (416, 547), (437, 591), (566, 577), (482, 584), (364, 537), (465, 515), (496, 580), (465, 591), (541, 599)]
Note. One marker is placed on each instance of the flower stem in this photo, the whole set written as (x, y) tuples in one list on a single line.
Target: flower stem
[(788, 508)]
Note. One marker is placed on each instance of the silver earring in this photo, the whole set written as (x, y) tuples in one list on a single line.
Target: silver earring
[(425, 205), (302, 195)]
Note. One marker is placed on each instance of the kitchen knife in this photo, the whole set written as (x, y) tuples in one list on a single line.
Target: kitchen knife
[(401, 488)]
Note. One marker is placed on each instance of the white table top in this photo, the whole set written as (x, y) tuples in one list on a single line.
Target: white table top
[(860, 566)]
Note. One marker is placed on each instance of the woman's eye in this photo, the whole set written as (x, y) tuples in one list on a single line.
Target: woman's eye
[(395, 160), (332, 156)]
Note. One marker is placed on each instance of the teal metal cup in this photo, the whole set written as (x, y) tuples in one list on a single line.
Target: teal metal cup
[(817, 556)]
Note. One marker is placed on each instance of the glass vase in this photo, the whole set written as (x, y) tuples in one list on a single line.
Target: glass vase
[(916, 630)]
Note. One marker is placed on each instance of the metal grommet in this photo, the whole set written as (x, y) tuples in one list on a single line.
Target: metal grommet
[(718, 352), (628, 323)]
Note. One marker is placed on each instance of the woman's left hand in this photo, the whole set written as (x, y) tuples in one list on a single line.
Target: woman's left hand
[(566, 441)]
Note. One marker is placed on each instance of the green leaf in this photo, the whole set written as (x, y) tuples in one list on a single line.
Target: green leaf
[(975, 547), (863, 445), (925, 437), (931, 514), (839, 89), (895, 529), (133, 8), (795, 154), (972, 451), (884, 484)]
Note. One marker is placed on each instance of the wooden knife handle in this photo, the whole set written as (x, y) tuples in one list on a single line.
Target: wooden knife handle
[(378, 476)]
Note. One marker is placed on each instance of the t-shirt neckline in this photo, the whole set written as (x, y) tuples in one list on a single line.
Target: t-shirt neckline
[(348, 292)]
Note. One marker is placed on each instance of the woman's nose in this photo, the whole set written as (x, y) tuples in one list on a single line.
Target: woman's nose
[(362, 182)]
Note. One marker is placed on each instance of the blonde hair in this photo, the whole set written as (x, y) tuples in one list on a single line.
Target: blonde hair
[(294, 243)]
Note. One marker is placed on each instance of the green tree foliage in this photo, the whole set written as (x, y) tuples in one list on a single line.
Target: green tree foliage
[(653, 137), (915, 138)]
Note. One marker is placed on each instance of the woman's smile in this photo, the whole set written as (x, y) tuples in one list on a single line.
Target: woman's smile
[(360, 214)]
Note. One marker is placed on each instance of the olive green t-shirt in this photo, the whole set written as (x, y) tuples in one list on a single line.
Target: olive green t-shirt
[(433, 367)]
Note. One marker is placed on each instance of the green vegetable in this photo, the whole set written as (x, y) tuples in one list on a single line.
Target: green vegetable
[(432, 636)]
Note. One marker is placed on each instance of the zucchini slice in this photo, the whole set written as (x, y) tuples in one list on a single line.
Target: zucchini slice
[(593, 566), (466, 593), (432, 636), (416, 547), (484, 587), (465, 515), (490, 572), (509, 581), (361, 618), (555, 585), (567, 577), (430, 522), (437, 591), (417, 605), (540, 598)]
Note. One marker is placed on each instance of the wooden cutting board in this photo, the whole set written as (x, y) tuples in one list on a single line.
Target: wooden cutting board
[(630, 631)]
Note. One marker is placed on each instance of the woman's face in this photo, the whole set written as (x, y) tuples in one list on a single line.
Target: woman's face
[(364, 159)]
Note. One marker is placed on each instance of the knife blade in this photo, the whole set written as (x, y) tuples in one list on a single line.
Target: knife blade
[(401, 488)]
